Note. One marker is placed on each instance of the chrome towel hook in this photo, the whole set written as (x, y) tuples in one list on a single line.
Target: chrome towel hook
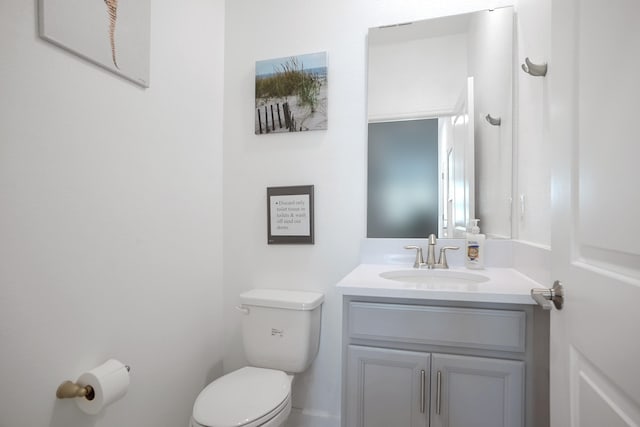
[(534, 69), (493, 121)]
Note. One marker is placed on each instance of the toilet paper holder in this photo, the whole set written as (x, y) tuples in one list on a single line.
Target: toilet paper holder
[(70, 390)]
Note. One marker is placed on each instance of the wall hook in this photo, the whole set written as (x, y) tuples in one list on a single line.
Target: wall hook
[(493, 121), (534, 69)]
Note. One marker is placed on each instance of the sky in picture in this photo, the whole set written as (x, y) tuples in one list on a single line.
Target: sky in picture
[(308, 61)]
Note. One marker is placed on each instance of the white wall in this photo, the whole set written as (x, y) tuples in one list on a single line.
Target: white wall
[(491, 65), (533, 149), (332, 160), (110, 220)]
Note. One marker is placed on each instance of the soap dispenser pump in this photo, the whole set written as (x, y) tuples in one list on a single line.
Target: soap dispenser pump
[(474, 257)]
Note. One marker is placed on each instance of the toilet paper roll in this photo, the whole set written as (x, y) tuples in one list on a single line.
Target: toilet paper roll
[(110, 382)]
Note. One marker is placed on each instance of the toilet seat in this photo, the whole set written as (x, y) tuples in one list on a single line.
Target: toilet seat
[(272, 419), (248, 397)]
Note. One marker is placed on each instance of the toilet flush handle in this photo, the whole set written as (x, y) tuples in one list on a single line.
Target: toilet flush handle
[(242, 309)]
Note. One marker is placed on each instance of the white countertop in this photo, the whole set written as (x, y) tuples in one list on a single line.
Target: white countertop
[(505, 285)]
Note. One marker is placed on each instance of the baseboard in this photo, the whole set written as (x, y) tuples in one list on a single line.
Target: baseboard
[(302, 418)]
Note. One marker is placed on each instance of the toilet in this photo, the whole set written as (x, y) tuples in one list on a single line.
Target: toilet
[(281, 336)]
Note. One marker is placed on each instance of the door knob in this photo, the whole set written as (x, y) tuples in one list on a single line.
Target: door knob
[(544, 297)]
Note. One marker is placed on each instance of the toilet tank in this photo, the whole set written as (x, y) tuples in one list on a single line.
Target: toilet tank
[(281, 328)]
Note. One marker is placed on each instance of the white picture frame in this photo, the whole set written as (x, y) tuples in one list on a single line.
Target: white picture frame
[(113, 35)]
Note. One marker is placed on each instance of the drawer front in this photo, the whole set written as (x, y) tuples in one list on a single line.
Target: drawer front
[(502, 330)]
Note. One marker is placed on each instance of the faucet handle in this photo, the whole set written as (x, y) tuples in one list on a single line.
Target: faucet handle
[(442, 262), (432, 239), (419, 262)]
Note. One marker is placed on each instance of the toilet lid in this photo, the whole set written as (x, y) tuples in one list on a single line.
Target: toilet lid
[(241, 397)]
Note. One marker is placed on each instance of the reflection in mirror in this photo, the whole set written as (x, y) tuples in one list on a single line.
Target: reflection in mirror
[(403, 171), (440, 79)]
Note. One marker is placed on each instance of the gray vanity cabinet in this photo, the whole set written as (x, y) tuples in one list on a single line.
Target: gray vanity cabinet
[(476, 391), (415, 363), (388, 387)]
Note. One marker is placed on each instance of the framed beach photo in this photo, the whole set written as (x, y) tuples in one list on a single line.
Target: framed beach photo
[(290, 214), (114, 35), (291, 94)]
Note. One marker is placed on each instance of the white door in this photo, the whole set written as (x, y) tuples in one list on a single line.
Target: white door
[(594, 95)]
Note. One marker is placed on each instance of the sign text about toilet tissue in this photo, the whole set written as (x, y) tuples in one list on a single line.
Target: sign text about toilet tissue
[(290, 215)]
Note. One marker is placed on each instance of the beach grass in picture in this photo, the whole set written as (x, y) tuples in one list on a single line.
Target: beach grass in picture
[(291, 94)]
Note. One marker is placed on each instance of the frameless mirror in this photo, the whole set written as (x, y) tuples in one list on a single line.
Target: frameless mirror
[(440, 126)]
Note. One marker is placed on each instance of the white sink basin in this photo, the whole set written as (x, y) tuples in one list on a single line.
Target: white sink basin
[(434, 277)]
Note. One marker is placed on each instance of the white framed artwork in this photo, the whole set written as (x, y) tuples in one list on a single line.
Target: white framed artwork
[(114, 34)]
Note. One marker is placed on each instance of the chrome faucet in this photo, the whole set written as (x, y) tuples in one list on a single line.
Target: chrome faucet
[(419, 262), (431, 258), (431, 248)]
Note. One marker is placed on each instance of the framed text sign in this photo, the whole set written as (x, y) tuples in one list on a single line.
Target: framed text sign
[(290, 214)]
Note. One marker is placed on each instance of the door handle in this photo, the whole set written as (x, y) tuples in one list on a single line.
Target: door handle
[(438, 392), (544, 297), (422, 393)]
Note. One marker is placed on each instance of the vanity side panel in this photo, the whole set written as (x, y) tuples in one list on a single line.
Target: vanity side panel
[(538, 378)]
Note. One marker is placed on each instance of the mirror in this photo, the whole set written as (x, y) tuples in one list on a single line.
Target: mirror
[(440, 126)]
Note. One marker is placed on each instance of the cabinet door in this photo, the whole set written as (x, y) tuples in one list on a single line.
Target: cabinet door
[(387, 388), (476, 392)]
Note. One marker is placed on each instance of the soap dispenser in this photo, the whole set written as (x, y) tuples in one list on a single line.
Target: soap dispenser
[(474, 256)]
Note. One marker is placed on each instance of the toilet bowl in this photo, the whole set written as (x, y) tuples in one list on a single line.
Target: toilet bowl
[(248, 397), (281, 335)]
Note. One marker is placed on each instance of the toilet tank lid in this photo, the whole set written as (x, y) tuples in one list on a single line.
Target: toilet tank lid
[(281, 298)]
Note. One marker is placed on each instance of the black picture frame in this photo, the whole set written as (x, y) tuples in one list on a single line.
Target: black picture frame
[(290, 215)]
